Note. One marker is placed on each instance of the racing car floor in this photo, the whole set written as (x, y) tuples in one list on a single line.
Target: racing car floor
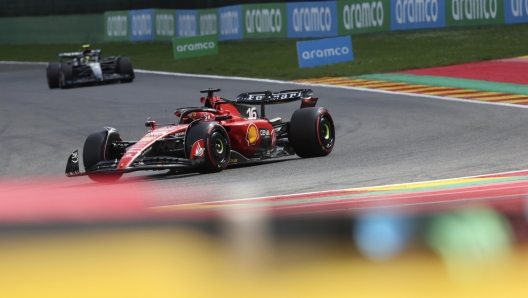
[(381, 138)]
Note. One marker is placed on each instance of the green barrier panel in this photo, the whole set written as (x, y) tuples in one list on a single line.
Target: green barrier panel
[(204, 45), (264, 20), (73, 29), (117, 25), (165, 24), (208, 21), (362, 16), (474, 13)]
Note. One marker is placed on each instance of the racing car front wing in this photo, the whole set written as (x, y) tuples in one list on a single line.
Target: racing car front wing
[(110, 166)]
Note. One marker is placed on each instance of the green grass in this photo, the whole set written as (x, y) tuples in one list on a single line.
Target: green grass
[(277, 59)]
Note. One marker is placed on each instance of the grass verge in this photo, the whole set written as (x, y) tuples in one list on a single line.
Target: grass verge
[(277, 59)]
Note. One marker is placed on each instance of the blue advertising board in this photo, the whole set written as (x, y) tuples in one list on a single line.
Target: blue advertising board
[(186, 22), (230, 22), (312, 19), (515, 11), (417, 14), (324, 51), (142, 24)]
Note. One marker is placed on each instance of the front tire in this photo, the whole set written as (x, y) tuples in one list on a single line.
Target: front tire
[(66, 75), (52, 75), (125, 68), (216, 143), (312, 132), (97, 148)]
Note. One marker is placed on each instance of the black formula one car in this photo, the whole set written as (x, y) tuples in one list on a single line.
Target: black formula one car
[(209, 138), (88, 67)]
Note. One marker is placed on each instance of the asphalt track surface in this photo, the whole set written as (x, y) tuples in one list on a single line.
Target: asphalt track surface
[(381, 138)]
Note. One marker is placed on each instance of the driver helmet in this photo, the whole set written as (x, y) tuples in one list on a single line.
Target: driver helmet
[(86, 49)]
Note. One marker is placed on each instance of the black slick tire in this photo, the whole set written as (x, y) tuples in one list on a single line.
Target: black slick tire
[(97, 148), (216, 144), (66, 75), (311, 132), (125, 68), (52, 75)]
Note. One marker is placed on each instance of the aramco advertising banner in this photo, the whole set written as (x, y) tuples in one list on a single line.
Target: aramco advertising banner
[(363, 16), (474, 12), (417, 14), (186, 23), (324, 51), (164, 24), (201, 45), (142, 25), (208, 21), (230, 23), (312, 19), (516, 11), (116, 26), (265, 20)]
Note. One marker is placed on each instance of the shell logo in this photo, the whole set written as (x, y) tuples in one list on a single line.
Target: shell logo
[(252, 134)]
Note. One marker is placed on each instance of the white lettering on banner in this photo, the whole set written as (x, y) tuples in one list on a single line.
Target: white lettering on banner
[(229, 23), (517, 7), (416, 11), (363, 15), (196, 46), (187, 25), (117, 25), (307, 55), (141, 25), (312, 19), (475, 9), (263, 20), (207, 24), (165, 25)]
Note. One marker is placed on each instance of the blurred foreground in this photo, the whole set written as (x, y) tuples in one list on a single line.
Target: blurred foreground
[(105, 241)]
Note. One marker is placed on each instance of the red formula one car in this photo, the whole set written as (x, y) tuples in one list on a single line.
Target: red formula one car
[(209, 138)]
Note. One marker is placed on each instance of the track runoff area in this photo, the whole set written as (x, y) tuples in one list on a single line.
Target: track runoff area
[(81, 235)]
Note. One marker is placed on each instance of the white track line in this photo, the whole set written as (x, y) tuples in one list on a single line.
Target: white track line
[(215, 77), (336, 190)]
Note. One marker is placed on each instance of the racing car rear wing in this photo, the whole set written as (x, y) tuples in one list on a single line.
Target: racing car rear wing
[(76, 54), (268, 97)]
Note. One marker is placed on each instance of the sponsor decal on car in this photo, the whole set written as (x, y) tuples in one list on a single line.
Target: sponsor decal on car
[(197, 149), (252, 134), (265, 133)]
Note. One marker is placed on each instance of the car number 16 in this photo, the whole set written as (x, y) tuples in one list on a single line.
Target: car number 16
[(252, 113)]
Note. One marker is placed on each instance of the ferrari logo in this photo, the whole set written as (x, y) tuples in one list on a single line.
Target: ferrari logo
[(252, 134)]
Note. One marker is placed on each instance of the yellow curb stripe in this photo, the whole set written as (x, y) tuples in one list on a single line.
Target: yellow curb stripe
[(396, 87), (511, 96), (419, 89), (375, 84), (447, 92), (516, 100), (472, 95)]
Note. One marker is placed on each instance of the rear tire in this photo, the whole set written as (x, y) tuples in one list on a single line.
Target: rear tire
[(312, 132), (96, 148), (66, 75), (52, 75), (125, 68), (216, 144)]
